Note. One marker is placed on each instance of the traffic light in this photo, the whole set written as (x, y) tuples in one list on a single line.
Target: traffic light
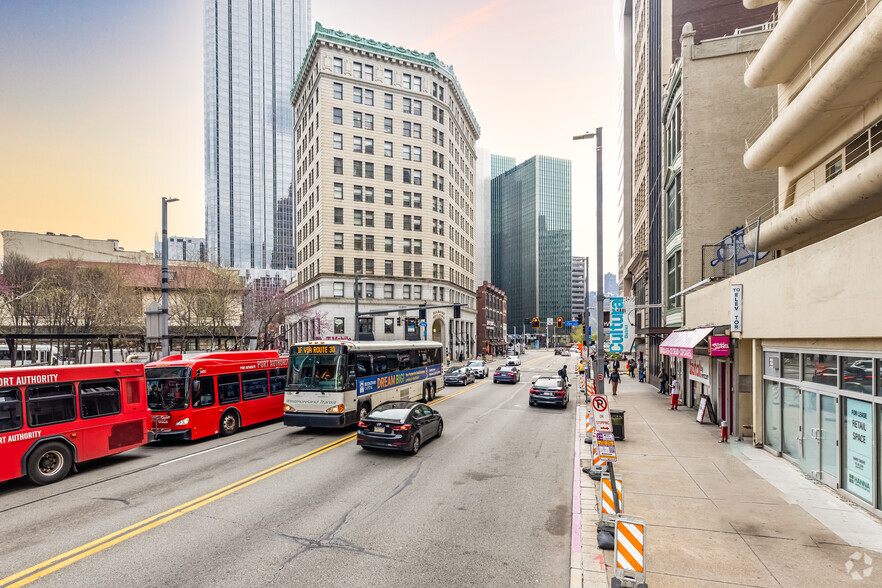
[(581, 318), (535, 323), (399, 321), (423, 312), (559, 323)]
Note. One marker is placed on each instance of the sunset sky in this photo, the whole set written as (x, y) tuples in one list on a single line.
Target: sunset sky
[(101, 102)]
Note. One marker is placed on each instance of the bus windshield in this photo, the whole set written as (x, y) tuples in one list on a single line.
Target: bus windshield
[(316, 372), (167, 388)]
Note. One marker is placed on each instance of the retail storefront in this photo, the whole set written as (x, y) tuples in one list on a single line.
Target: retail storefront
[(823, 411)]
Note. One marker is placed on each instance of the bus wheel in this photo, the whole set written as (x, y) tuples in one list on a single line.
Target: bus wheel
[(427, 392), (49, 463), (363, 411), (433, 390), (229, 424)]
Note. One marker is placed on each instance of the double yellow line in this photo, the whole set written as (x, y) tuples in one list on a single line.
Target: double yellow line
[(65, 559)]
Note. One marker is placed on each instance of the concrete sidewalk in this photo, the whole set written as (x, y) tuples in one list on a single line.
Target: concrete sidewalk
[(724, 514)]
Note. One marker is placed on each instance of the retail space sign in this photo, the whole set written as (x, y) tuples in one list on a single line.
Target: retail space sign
[(621, 324), (606, 446), (859, 448), (699, 370), (737, 305), (602, 420), (719, 346)]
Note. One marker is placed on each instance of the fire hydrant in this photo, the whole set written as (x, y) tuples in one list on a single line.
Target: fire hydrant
[(724, 432)]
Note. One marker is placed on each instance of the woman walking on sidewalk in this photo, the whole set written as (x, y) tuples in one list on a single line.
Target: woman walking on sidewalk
[(662, 380), (615, 378), (675, 392)]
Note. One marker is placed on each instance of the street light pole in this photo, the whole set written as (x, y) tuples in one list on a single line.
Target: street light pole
[(163, 318), (598, 134)]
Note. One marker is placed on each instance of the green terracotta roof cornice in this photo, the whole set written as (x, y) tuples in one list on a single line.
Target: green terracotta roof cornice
[(427, 59)]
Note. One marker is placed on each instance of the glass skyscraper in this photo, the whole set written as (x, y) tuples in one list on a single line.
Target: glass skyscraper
[(531, 239), (252, 51)]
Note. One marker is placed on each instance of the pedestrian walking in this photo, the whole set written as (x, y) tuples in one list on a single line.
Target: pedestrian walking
[(562, 372), (632, 365), (641, 372), (605, 369), (662, 381), (448, 360), (615, 378), (675, 392)]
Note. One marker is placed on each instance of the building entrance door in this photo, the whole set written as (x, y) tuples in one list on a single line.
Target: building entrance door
[(819, 436)]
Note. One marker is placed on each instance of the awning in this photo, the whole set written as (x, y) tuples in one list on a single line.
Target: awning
[(681, 343)]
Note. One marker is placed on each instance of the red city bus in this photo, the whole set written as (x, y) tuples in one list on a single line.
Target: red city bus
[(214, 393), (55, 416)]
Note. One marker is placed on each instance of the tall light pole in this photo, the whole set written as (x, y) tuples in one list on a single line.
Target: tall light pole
[(598, 368), (163, 318)]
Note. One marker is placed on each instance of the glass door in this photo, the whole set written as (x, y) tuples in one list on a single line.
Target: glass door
[(819, 456), (811, 449), (827, 434)]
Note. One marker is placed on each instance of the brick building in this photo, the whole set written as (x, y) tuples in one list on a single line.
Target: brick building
[(492, 317)]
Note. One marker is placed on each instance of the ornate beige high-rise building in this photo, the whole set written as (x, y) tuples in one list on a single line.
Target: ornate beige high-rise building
[(385, 167)]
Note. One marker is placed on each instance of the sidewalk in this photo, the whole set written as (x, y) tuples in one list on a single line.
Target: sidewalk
[(721, 514)]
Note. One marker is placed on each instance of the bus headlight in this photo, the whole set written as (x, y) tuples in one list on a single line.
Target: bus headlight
[(289, 408), (336, 409), (183, 422)]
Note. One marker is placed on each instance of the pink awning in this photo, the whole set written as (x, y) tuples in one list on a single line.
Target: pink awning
[(681, 343)]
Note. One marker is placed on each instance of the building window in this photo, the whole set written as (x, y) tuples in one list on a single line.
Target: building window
[(356, 95), (358, 265), (388, 102), (338, 240), (338, 141), (389, 222), (369, 290), (405, 129), (674, 197), (369, 170), (407, 268), (407, 199), (388, 290), (417, 223), (338, 216), (417, 131), (407, 246), (387, 173), (356, 143), (338, 286), (418, 246), (369, 97), (417, 154), (356, 193), (356, 69), (358, 242), (405, 152), (338, 116), (338, 165), (406, 105), (405, 292), (387, 148), (389, 325), (405, 81), (338, 65), (369, 266), (417, 177), (369, 190), (387, 125), (369, 218), (417, 200), (389, 269), (369, 146), (365, 324), (356, 169), (674, 280), (357, 218), (833, 168), (418, 107), (338, 91), (339, 321), (356, 120), (418, 269), (338, 266), (407, 222), (369, 72), (388, 197), (418, 83), (369, 122), (387, 77), (338, 191), (417, 292), (369, 242), (405, 175)]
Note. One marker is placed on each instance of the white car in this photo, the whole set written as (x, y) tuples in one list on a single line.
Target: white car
[(513, 360), (479, 368)]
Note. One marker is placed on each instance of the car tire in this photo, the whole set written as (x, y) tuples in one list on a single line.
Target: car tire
[(440, 428), (49, 463), (229, 424), (415, 446)]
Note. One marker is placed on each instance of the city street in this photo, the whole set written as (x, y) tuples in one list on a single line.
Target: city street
[(488, 503)]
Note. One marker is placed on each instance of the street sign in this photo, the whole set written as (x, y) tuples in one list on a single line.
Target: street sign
[(422, 323), (602, 420), (549, 322), (571, 323), (606, 446)]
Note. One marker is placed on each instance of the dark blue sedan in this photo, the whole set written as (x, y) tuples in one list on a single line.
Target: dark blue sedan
[(507, 373)]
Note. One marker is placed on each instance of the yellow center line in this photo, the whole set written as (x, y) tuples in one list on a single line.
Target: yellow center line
[(83, 551)]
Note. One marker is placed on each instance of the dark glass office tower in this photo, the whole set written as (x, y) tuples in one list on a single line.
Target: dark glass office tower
[(531, 240)]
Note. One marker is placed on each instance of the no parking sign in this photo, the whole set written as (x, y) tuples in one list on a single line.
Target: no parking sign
[(602, 420)]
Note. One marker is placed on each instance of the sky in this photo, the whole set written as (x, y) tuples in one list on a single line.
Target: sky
[(101, 107)]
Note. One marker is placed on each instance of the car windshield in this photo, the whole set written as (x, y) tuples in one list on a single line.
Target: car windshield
[(391, 412), (476, 364), (315, 372), (167, 388), (454, 370)]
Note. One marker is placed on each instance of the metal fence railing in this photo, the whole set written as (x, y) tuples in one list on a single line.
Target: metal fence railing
[(734, 254)]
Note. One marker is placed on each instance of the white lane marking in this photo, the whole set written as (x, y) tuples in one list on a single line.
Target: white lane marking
[(200, 452)]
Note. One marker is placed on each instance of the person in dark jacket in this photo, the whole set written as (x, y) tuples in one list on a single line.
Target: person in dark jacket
[(562, 372), (614, 379)]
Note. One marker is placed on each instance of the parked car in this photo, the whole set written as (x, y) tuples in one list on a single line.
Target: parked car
[(403, 426), (513, 360), (549, 391), (458, 375), (507, 373), (479, 368)]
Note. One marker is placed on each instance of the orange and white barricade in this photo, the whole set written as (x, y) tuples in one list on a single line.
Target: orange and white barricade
[(589, 426), (607, 505), (630, 540), (596, 462)]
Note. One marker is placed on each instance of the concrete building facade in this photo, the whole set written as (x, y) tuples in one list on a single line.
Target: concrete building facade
[(252, 52), (808, 351), (386, 164), (182, 248), (532, 239), (491, 320), (580, 284)]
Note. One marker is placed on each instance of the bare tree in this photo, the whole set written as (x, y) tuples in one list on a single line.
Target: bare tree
[(19, 283), (220, 304)]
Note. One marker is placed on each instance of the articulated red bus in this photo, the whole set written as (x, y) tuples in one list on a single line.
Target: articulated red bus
[(53, 417), (215, 393)]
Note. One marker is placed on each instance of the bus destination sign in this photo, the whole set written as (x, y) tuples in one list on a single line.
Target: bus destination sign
[(318, 349)]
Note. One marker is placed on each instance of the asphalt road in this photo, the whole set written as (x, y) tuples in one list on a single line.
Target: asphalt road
[(488, 503)]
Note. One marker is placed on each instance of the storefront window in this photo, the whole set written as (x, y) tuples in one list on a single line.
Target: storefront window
[(857, 434), (772, 364), (772, 416), (790, 366), (819, 368), (791, 421), (857, 374)]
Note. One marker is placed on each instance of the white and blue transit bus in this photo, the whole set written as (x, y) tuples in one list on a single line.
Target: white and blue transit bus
[(336, 383)]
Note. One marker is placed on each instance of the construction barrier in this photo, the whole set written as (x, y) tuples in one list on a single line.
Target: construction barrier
[(607, 504), (630, 539), (589, 427)]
